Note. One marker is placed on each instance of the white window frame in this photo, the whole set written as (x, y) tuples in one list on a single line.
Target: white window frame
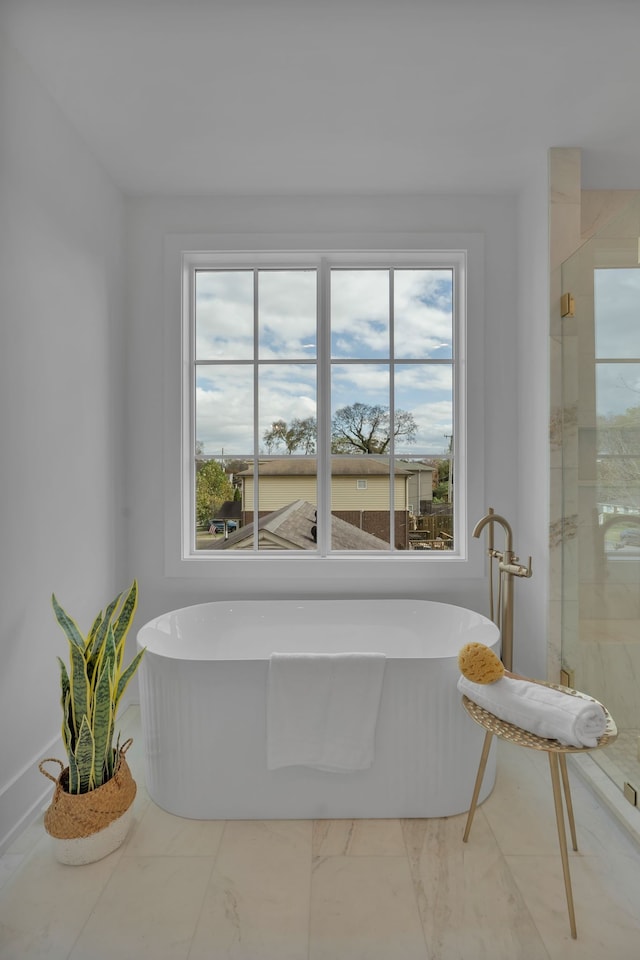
[(183, 253)]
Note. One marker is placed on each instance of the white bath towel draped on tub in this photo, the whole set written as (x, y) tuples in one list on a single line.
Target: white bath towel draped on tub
[(322, 710)]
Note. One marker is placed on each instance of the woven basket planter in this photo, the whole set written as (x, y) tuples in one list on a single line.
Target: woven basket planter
[(86, 827)]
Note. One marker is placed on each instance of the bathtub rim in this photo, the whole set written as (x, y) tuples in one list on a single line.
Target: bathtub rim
[(492, 640)]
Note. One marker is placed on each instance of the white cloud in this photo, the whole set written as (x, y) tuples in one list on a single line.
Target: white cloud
[(360, 313), (225, 314), (224, 403)]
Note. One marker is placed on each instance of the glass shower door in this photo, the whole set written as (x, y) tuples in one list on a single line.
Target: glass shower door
[(601, 483)]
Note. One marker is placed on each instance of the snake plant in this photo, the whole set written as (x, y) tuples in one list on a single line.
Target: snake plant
[(92, 688)]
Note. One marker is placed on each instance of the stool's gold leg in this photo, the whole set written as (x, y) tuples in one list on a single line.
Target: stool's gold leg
[(479, 776), (567, 796), (562, 838)]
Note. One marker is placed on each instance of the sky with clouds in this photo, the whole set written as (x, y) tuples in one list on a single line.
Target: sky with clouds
[(286, 340)]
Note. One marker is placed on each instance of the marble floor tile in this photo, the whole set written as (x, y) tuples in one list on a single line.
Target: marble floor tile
[(9, 863), (520, 810), (27, 840), (147, 911), (363, 907), (470, 906), (159, 833), (608, 924), (618, 877), (45, 905), (355, 838), (256, 906), (522, 814), (598, 833)]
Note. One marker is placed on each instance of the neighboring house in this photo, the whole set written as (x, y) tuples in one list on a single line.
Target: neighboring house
[(420, 487), (292, 528), (359, 491)]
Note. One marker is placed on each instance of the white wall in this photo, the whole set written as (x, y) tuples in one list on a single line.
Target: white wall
[(61, 403), (151, 220), (527, 463)]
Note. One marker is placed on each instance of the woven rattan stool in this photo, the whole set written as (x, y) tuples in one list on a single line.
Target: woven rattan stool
[(557, 761)]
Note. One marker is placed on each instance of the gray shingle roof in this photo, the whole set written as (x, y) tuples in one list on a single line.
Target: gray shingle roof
[(355, 466), (289, 528)]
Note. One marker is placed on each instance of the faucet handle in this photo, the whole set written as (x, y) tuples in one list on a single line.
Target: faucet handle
[(524, 571), (516, 569)]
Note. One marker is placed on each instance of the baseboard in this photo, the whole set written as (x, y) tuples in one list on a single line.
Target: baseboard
[(24, 797)]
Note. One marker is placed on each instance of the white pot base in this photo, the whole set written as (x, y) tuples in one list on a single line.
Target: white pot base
[(81, 850)]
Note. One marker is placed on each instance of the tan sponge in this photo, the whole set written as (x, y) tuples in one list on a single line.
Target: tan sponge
[(479, 663)]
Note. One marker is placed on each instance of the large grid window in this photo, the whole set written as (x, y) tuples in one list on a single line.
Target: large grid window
[(322, 402)]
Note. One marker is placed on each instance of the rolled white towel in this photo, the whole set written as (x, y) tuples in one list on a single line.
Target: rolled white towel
[(549, 713)]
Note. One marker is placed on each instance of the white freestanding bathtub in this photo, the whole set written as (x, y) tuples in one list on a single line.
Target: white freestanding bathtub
[(203, 696)]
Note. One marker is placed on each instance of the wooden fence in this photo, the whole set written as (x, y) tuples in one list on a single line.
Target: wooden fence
[(432, 532)]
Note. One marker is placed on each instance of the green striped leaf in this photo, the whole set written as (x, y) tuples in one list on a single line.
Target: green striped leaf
[(85, 758), (103, 721), (123, 680), (94, 629), (74, 777), (67, 734), (68, 625), (79, 685), (93, 669), (101, 632), (125, 617), (109, 763), (65, 686), (108, 653)]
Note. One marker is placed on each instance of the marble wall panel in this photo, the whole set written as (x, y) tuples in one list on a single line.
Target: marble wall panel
[(608, 663)]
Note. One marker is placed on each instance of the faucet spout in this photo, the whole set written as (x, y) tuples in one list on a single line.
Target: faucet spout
[(492, 517)]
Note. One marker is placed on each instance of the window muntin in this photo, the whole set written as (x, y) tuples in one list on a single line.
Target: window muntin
[(378, 336)]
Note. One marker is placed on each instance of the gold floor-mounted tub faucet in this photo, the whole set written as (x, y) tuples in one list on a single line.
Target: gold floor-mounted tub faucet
[(509, 567)]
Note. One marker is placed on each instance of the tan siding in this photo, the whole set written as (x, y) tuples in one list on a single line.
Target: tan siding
[(277, 492), (401, 493), (346, 496)]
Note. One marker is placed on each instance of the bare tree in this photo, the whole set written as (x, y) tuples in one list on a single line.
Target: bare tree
[(358, 428), (298, 435), (366, 428)]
